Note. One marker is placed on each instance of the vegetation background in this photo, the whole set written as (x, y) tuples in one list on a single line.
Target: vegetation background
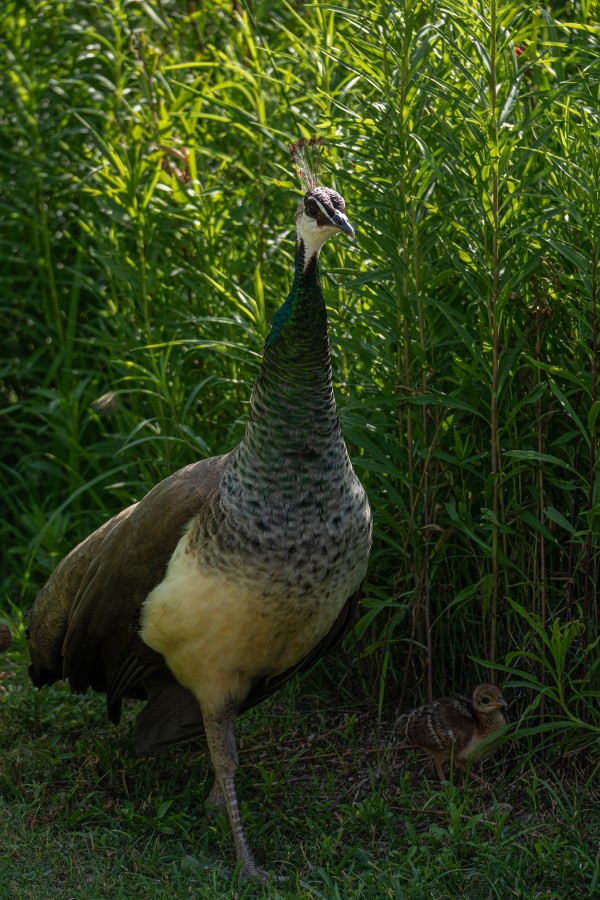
[(146, 203)]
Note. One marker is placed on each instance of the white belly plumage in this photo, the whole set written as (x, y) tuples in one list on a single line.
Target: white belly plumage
[(220, 631)]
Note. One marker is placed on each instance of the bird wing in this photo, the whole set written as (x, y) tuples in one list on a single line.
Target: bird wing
[(460, 720), (50, 613), (439, 725), (84, 623)]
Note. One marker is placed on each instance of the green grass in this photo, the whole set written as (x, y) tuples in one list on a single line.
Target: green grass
[(329, 799)]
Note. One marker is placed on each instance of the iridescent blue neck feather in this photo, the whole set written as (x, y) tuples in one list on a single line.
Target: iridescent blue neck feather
[(293, 419)]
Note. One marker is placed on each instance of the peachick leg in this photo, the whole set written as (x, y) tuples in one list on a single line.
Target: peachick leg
[(221, 744), (440, 770)]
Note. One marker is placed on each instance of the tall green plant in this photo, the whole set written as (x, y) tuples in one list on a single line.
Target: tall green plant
[(145, 220)]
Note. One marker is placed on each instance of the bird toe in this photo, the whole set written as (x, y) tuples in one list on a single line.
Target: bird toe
[(250, 872)]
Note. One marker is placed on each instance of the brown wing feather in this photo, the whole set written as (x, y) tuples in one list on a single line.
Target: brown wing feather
[(438, 726), (49, 615), (83, 625)]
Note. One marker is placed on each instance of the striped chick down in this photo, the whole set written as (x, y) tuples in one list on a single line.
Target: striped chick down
[(454, 728)]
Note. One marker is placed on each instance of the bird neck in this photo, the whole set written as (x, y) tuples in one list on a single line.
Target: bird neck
[(304, 306), (293, 413), (491, 721)]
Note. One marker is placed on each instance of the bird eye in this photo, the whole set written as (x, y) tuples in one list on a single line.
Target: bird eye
[(485, 699), (311, 209)]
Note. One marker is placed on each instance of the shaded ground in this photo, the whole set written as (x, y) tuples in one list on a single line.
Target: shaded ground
[(327, 797)]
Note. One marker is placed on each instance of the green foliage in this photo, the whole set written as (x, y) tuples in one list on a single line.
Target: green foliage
[(481, 454), (558, 671), (145, 213)]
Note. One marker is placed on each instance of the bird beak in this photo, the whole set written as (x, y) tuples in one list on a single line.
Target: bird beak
[(500, 701), (340, 221)]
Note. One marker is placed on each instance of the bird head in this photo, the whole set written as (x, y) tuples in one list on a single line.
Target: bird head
[(322, 211), (321, 214), (487, 698)]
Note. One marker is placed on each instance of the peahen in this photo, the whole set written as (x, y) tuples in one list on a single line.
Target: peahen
[(237, 571)]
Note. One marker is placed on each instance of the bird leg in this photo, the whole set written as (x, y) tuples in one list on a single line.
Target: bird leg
[(223, 753), (440, 770)]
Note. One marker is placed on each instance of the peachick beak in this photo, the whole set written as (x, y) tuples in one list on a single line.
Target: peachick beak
[(340, 221), (500, 701)]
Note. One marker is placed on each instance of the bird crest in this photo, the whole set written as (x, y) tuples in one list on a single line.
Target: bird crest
[(305, 153)]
